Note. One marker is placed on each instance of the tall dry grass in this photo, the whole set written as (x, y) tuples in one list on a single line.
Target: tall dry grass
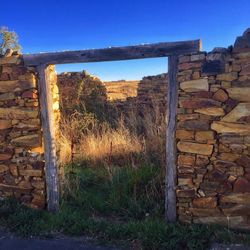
[(140, 132)]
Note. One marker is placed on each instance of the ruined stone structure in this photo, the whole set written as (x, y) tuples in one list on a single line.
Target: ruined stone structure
[(213, 136), (212, 132), (124, 96), (21, 149)]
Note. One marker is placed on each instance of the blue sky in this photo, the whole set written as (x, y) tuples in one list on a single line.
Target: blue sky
[(82, 24)]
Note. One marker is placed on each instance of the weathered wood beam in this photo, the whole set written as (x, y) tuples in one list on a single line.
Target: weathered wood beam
[(172, 104), (47, 117), (113, 54)]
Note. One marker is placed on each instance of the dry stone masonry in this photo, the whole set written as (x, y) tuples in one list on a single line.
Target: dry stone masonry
[(21, 147), (212, 133), (213, 136)]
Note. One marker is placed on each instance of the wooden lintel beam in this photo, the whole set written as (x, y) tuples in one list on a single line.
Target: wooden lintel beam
[(113, 53)]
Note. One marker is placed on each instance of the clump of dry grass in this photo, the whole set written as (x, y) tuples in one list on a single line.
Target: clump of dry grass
[(84, 138), (110, 143)]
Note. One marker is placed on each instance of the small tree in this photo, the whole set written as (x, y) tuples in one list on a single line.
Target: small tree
[(8, 40)]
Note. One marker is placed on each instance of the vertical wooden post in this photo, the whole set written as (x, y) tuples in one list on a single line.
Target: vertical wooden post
[(172, 104), (47, 117)]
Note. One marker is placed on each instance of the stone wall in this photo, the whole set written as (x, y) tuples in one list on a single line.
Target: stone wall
[(213, 136), (21, 152), (21, 147), (150, 90), (213, 132)]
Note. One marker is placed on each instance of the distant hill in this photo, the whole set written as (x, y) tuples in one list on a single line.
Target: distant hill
[(121, 90)]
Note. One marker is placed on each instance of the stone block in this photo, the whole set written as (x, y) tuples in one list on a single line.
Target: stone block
[(27, 141), (195, 85), (10, 60), (38, 201), (205, 202), (183, 59), (184, 134), (204, 136), (217, 175), (195, 148), (236, 171), (237, 198), (205, 212), (239, 93), (229, 105), (226, 127), (185, 182), (18, 113), (213, 67), (220, 164), (189, 65), (201, 160), (31, 172), (194, 125), (231, 138), (11, 188), (38, 184), (241, 185), (210, 186), (15, 85), (197, 103), (185, 170), (198, 57), (244, 161), (3, 168), (220, 95), (227, 76), (7, 96), (187, 193), (240, 111), (31, 94), (213, 111), (6, 153), (239, 209), (186, 160), (224, 148), (5, 124), (245, 69), (24, 185), (13, 170), (186, 117), (203, 94)]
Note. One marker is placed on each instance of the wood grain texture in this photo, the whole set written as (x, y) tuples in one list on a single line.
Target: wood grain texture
[(172, 104), (113, 54), (47, 117)]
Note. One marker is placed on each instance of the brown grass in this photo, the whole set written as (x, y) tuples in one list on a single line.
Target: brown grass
[(83, 137), (97, 142)]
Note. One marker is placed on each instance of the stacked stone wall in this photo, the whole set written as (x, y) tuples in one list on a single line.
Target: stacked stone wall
[(212, 133), (213, 136), (21, 144), (21, 151)]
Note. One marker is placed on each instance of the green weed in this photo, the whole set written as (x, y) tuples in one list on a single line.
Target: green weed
[(119, 204)]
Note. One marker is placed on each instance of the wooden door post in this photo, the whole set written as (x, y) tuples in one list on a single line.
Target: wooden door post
[(47, 118), (172, 104)]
